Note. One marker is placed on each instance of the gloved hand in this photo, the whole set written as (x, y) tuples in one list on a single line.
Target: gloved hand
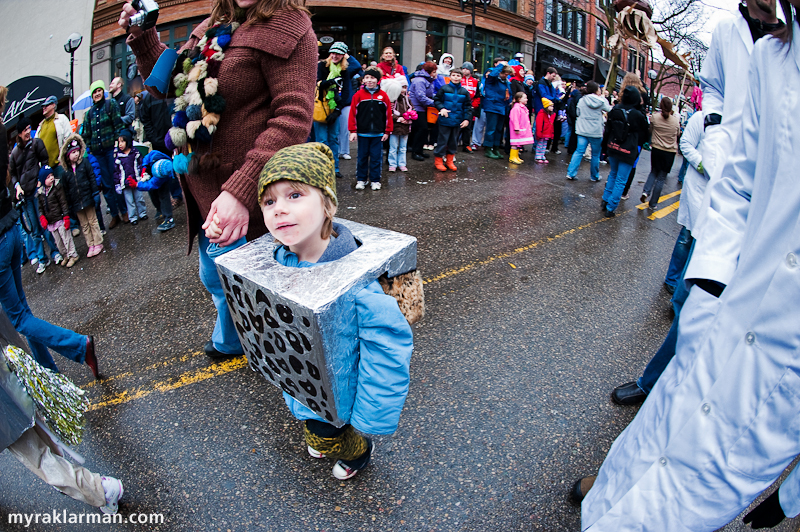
[(43, 221), (767, 514), (131, 182), (700, 168), (66, 222), (118, 188)]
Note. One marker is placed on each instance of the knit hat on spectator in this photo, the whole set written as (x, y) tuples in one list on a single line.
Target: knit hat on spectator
[(162, 168), (22, 123), (99, 84), (73, 145), (43, 173), (468, 66), (529, 77), (375, 72), (338, 48), (311, 163), (546, 103), (126, 134)]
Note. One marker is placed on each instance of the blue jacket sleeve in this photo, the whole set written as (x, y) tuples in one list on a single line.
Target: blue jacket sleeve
[(385, 346), (95, 168), (154, 183)]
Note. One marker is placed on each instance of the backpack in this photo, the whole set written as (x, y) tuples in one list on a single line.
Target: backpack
[(618, 129)]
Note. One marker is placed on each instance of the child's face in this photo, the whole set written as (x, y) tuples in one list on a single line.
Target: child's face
[(455, 77), (524, 99), (73, 156), (49, 180), (122, 144), (294, 217), (550, 108), (370, 82), (403, 89)]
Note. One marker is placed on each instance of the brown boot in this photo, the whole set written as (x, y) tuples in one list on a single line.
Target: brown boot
[(115, 221), (581, 488), (125, 218), (451, 165), (439, 164)]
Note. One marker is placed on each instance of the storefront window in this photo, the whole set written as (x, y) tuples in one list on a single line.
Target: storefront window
[(600, 44), (631, 59), (435, 38), (391, 34), (487, 47), (509, 5), (565, 20), (365, 38)]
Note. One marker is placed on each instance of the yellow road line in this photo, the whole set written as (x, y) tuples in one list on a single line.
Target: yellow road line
[(665, 211), (643, 206), (221, 368), (190, 377)]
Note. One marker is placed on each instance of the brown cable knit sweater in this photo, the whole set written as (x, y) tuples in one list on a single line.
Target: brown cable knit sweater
[(267, 79)]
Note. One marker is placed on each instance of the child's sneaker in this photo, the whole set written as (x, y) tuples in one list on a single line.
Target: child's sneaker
[(166, 225), (313, 453), (58, 259), (404, 169), (392, 168), (376, 185), (71, 262), (345, 156), (345, 469), (113, 491), (41, 267), (361, 185)]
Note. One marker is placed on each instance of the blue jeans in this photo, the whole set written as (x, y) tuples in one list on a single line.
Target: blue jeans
[(397, 150), (478, 128), (34, 243), (566, 132), (39, 333), (224, 337), (370, 160), (344, 134), (680, 256), (615, 184), (115, 202), (492, 138), (661, 359), (682, 172), (594, 167), (328, 134)]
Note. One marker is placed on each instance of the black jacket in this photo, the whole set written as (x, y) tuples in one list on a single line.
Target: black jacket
[(8, 215), (53, 204), (627, 149), (156, 118), (80, 184), (25, 164)]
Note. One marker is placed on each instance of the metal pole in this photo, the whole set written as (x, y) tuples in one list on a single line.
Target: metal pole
[(71, 85), (472, 45)]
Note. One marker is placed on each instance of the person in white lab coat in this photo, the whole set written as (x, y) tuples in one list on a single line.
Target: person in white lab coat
[(723, 421), (724, 68)]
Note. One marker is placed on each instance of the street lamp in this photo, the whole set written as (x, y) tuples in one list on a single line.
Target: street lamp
[(485, 4), (652, 74), (71, 45)]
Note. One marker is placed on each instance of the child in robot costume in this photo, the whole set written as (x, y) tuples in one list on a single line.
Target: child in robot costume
[(297, 195)]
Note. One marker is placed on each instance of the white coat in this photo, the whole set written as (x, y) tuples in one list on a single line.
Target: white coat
[(723, 421), (694, 184)]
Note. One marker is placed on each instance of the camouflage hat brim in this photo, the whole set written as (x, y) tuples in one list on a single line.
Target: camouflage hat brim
[(311, 163)]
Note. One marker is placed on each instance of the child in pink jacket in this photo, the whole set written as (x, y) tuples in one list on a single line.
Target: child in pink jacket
[(519, 123)]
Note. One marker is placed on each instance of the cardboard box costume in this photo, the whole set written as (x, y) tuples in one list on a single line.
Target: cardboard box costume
[(289, 320)]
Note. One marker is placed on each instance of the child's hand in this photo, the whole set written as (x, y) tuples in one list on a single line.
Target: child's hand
[(444, 112), (213, 230), (353, 137), (464, 124), (384, 137), (43, 221), (66, 222)]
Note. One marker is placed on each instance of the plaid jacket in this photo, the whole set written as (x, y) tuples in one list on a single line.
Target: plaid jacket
[(101, 126)]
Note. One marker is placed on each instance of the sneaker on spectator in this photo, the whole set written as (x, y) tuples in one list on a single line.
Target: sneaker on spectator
[(404, 169), (58, 259), (361, 185), (392, 168), (34, 261), (41, 267), (313, 453), (76, 231), (376, 185), (345, 156), (166, 225), (113, 490), (71, 262), (345, 469)]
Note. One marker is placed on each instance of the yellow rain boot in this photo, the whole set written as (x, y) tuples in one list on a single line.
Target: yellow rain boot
[(514, 156)]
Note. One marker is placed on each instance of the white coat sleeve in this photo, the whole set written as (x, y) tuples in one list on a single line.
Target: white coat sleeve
[(789, 494), (690, 139), (712, 81), (717, 248)]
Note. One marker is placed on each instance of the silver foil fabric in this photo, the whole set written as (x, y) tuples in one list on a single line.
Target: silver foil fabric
[(297, 325)]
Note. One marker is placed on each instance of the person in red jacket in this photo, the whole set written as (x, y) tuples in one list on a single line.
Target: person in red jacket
[(544, 129), (471, 84), (370, 122), (389, 65)]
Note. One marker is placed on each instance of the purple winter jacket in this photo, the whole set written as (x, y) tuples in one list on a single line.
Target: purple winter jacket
[(421, 92)]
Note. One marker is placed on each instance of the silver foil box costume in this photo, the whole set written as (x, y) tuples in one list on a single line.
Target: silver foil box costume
[(291, 321)]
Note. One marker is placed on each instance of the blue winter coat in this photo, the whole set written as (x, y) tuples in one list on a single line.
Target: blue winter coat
[(421, 91), (385, 345), (496, 93), (156, 180), (544, 89), (455, 99), (96, 169)]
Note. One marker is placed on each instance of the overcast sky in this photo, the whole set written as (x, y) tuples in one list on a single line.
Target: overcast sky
[(717, 10)]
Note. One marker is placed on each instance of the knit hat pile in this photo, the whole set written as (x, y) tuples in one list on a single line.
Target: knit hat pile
[(338, 48), (311, 163)]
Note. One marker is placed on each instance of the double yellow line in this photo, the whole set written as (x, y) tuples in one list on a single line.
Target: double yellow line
[(227, 366)]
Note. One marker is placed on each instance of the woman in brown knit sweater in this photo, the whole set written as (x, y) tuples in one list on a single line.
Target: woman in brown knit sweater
[(266, 78)]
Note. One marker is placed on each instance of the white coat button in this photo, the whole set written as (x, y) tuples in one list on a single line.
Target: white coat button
[(791, 260), (663, 461), (749, 338), (706, 408)]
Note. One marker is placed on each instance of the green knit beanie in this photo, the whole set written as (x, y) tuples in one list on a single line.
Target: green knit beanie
[(311, 163), (99, 84)]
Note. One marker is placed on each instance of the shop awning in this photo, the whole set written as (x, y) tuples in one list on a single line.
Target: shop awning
[(26, 96)]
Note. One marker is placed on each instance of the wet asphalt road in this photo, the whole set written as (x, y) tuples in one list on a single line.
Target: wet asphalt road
[(537, 307)]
